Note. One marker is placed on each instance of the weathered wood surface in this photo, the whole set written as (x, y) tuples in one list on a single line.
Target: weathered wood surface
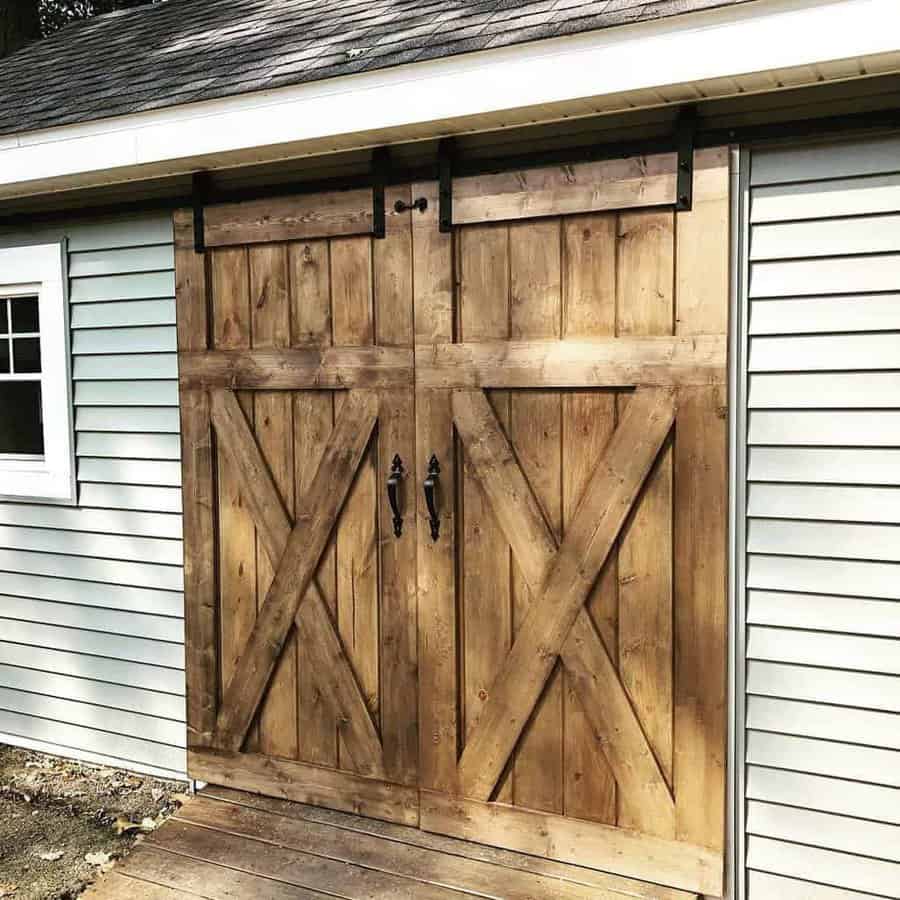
[(537, 865), (306, 783), (555, 330), (202, 662), (637, 181), (225, 843), (616, 362), (398, 623), (700, 503), (689, 868), (555, 633), (437, 638), (300, 217), (332, 368), (329, 667), (601, 513), (316, 517)]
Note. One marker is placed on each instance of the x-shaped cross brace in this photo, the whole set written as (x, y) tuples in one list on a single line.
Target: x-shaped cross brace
[(560, 579), (294, 597)]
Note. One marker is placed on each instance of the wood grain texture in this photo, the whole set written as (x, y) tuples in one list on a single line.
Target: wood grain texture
[(701, 517), (332, 368), (393, 274), (535, 431), (231, 329), (202, 662), (329, 667), (437, 640), (310, 277), (300, 217), (167, 865), (356, 535), (114, 885), (560, 874), (317, 513), (600, 516), (617, 362), (485, 590), (689, 868), (305, 783), (286, 872), (561, 190), (591, 671), (427, 868), (588, 420), (645, 306)]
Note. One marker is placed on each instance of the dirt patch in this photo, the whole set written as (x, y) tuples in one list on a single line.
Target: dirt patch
[(63, 822)]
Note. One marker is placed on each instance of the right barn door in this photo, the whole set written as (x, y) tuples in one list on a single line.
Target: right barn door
[(572, 420)]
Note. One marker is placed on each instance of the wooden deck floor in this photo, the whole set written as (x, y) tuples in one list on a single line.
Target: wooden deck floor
[(228, 844)]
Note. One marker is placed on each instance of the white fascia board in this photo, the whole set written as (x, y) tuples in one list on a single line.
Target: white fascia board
[(551, 77)]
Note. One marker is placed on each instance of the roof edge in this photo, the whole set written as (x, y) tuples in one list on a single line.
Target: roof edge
[(644, 64)]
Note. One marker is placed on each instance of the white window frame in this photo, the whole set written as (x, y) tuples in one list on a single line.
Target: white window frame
[(38, 270)]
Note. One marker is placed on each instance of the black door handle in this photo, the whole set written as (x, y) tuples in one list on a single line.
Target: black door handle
[(393, 485), (430, 485)]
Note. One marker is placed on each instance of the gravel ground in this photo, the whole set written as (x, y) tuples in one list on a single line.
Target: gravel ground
[(62, 822)]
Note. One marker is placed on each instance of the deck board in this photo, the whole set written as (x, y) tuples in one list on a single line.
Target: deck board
[(227, 843)]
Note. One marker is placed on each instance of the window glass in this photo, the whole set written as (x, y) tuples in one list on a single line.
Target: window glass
[(26, 355), (25, 315), (21, 427)]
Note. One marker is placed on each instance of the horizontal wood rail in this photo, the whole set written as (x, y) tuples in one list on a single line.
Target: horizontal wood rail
[(554, 190), (607, 362), (291, 218), (331, 368), (590, 844), (305, 783)]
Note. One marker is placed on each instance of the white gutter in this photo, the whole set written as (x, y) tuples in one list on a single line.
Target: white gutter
[(579, 75)]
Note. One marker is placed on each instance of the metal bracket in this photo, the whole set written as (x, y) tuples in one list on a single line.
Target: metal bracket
[(685, 134), (445, 187), (199, 194), (381, 164)]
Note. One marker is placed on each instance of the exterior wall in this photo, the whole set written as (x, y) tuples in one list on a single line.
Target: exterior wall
[(91, 603), (822, 628)]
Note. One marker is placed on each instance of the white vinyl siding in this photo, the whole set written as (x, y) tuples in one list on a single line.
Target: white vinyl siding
[(823, 524), (91, 602)]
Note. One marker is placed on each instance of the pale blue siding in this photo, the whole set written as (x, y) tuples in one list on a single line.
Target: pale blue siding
[(91, 603), (822, 625)]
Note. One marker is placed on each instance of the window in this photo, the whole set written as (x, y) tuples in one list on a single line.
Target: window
[(35, 422)]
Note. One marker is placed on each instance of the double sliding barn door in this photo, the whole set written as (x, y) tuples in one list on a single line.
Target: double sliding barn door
[(529, 651)]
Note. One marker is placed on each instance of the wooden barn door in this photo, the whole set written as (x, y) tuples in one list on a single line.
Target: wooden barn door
[(295, 340), (571, 397)]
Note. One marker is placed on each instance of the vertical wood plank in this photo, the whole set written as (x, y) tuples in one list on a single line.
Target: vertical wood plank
[(310, 281), (271, 328), (357, 531), (231, 330), (201, 643), (535, 431), (436, 561), (589, 418), (486, 591), (645, 306), (393, 287), (701, 516)]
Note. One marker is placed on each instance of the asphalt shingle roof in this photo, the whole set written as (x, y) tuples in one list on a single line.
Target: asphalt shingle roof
[(182, 51)]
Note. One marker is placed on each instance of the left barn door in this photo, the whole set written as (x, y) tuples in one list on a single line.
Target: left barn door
[(296, 388)]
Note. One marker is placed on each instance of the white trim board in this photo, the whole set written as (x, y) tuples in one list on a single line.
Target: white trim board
[(745, 47)]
